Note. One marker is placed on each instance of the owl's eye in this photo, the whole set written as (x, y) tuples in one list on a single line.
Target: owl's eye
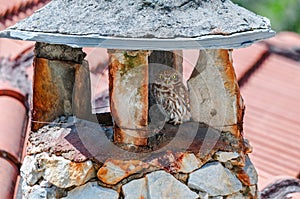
[(160, 76), (174, 76)]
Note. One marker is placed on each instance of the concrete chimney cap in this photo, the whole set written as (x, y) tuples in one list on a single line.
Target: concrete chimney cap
[(143, 24)]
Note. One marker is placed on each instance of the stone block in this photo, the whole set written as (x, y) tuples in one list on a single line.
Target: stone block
[(214, 93), (215, 180), (61, 84), (113, 171), (60, 88), (248, 175), (128, 77), (163, 185), (92, 190), (158, 185), (56, 170), (136, 189), (177, 163)]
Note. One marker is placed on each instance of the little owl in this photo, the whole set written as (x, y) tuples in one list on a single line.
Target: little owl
[(172, 96)]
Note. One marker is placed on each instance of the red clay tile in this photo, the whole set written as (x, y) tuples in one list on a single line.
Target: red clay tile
[(14, 10), (272, 121), (7, 179), (245, 58), (286, 40), (13, 48)]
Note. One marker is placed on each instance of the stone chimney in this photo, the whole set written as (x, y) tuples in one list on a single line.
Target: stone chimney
[(142, 150)]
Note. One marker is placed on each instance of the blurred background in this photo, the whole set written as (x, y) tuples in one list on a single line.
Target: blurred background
[(284, 14)]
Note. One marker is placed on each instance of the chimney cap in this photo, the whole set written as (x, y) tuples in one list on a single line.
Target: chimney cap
[(143, 24)]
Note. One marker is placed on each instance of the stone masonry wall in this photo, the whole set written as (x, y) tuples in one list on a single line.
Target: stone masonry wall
[(60, 164)]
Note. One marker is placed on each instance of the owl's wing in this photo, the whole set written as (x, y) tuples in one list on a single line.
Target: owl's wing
[(184, 94)]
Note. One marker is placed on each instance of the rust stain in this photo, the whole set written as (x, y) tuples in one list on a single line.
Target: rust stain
[(112, 78), (78, 168), (168, 162), (240, 161), (244, 178), (247, 147), (180, 156), (234, 129), (144, 98), (224, 59), (102, 172), (42, 91), (123, 63), (113, 171), (53, 88)]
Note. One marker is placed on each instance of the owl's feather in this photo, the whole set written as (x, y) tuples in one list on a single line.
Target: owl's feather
[(172, 96)]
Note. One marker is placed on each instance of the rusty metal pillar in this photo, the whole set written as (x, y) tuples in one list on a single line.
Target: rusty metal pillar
[(128, 85), (61, 84)]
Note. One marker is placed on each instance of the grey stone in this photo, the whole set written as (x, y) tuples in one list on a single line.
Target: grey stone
[(222, 156), (237, 195), (203, 195), (30, 170), (82, 106), (214, 179), (216, 197), (215, 79), (56, 170), (92, 191), (210, 24), (38, 192), (253, 190), (157, 185), (136, 189), (59, 52), (45, 184), (162, 185), (251, 171)]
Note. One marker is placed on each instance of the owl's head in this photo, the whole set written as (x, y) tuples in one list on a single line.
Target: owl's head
[(167, 77)]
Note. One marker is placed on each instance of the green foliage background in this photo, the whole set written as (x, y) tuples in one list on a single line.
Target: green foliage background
[(284, 14)]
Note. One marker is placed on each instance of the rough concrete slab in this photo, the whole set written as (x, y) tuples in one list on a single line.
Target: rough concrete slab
[(146, 24)]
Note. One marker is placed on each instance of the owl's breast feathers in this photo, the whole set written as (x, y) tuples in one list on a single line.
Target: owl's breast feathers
[(174, 101)]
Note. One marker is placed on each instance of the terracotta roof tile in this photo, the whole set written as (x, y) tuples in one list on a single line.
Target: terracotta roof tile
[(272, 95), (14, 48), (244, 60), (13, 11), (14, 114)]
